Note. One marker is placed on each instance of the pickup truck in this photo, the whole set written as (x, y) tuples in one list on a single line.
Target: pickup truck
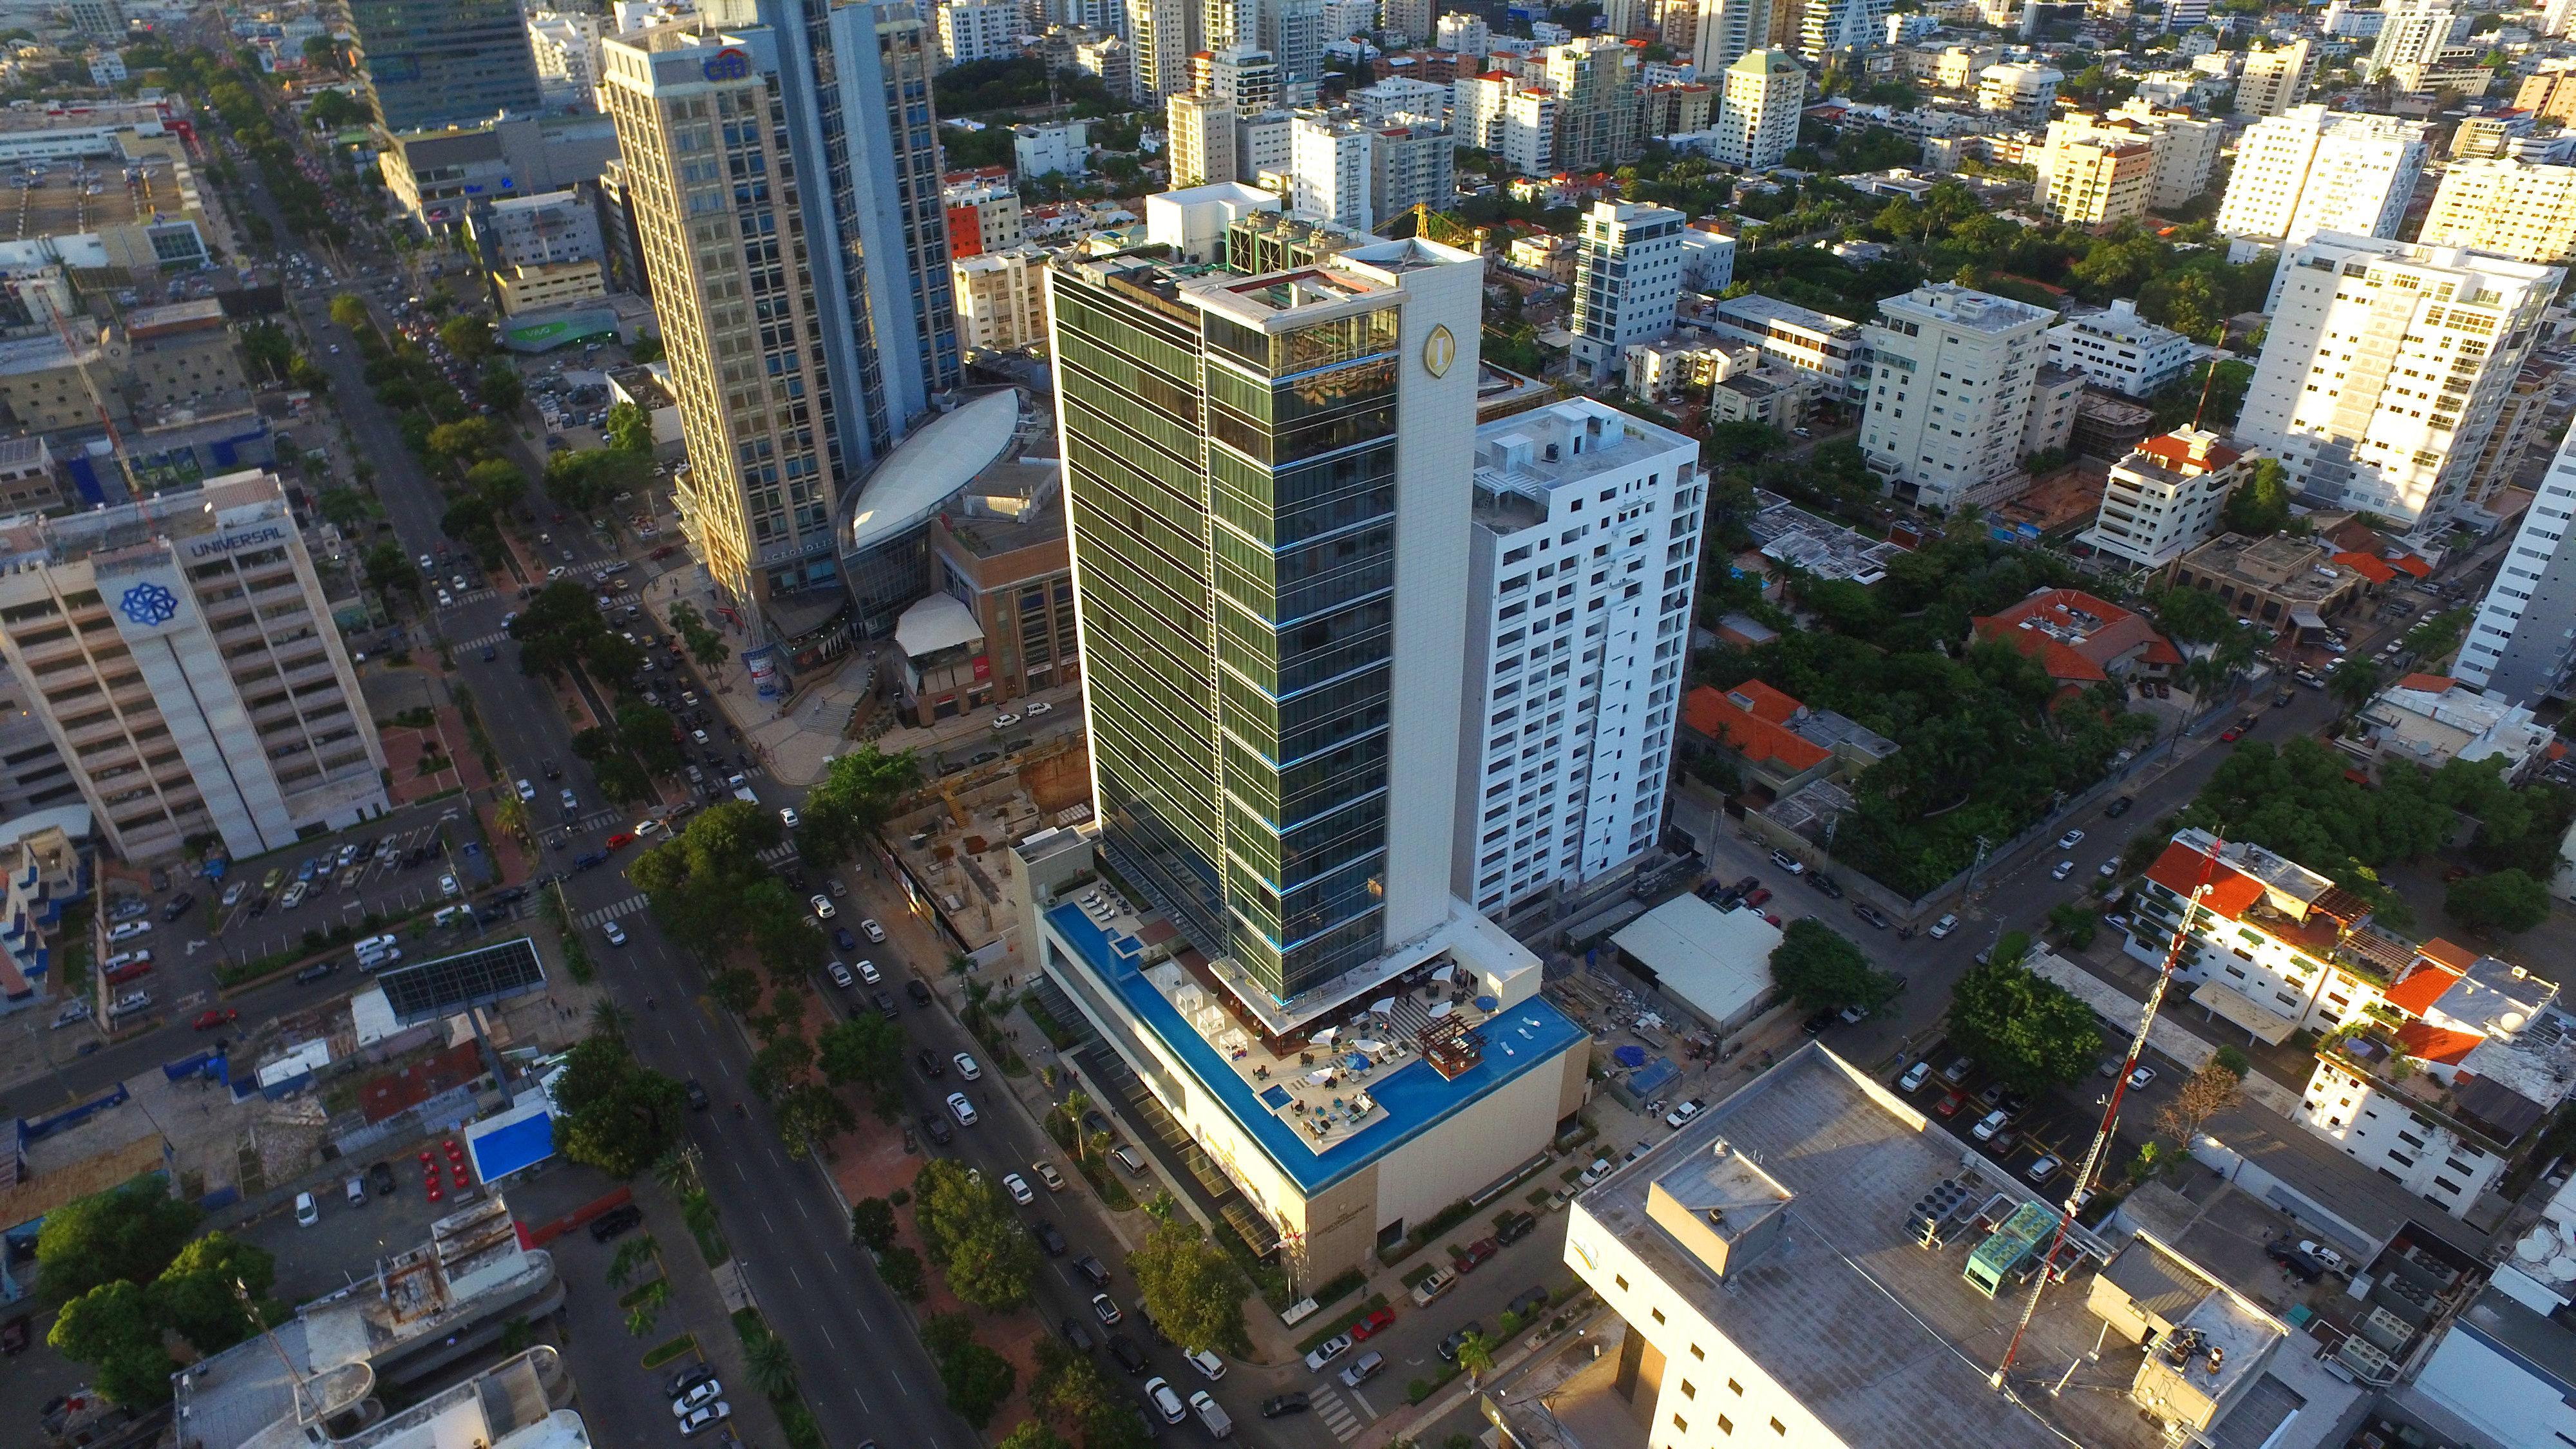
[(1212, 1415), (742, 789)]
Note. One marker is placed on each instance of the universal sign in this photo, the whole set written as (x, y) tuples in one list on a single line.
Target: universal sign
[(227, 542)]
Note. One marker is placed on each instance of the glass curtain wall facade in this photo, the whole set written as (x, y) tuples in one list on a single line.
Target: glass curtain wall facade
[(1233, 513)]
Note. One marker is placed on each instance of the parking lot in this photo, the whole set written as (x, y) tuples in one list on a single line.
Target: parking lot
[(2056, 1128)]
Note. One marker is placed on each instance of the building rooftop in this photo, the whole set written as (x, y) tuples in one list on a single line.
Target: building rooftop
[(1952, 305), (1522, 459), (1754, 307), (1719, 962), (178, 514), (2076, 636), (189, 316), (1877, 1336), (1356, 1089), (1791, 535), (2293, 568), (929, 467)]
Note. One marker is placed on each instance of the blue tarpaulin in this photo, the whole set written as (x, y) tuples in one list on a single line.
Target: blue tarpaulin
[(1650, 1078)]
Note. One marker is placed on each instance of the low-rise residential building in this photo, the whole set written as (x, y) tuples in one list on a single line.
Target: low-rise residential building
[(984, 209), (2056, 397), (1604, 745), (1777, 744), (2121, 350), (2165, 498), (2021, 89), (2286, 583), (1193, 221), (1677, 109), (1060, 147), (2433, 719), (2081, 640), (1800, 337)]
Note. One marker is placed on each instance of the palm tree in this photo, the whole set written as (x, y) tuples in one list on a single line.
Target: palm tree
[(773, 1368), (698, 1212), (677, 1170), (639, 1320), (1077, 1102), (609, 1019), (1476, 1356)]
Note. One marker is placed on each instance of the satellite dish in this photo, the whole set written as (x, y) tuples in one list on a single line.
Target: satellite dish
[(2535, 1246), (2561, 1269), (2510, 1021)]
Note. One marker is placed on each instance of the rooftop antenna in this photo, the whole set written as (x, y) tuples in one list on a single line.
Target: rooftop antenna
[(2102, 1136)]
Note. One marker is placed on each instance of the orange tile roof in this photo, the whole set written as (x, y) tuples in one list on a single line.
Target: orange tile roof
[(1710, 712), (2412, 564), (2231, 892), (2369, 566), (2086, 661), (2458, 958), (2429, 683), (2175, 454), (2436, 1044), (2422, 987)]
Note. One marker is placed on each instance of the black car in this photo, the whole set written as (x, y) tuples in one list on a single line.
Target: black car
[(2119, 807), (1511, 1227), (697, 1095), (1869, 913), (551, 770), (615, 1221), (930, 1065), (177, 906), (1089, 1267), (1048, 1238), (885, 1005), (1449, 1346), (1530, 1301), (1129, 1356), (1825, 883), (685, 1379), (510, 897), (937, 1126), (1291, 1402), (380, 1177), (1817, 1023), (1077, 1335), (2300, 1266), (919, 993), (315, 972)]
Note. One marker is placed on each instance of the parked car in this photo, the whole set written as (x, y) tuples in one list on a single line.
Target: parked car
[(1327, 1351), (1915, 1076), (1378, 1321), (961, 1109), (615, 1221), (307, 1211), (1790, 863), (1281, 1405), (1105, 1308), (1364, 1368), (1944, 926)]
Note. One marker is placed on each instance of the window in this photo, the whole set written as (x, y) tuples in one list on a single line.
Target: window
[(1658, 1314), (1699, 1353), (1622, 1282), (1688, 1390), (1732, 1384), (1779, 1428), (1725, 1425)]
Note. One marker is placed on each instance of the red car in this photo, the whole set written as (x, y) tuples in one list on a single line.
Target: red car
[(620, 841), (217, 1016), (1378, 1322), (1476, 1253), (131, 970), (1759, 895), (2231, 734), (666, 550), (1949, 1105)]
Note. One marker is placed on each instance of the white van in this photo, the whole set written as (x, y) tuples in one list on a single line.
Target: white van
[(377, 951)]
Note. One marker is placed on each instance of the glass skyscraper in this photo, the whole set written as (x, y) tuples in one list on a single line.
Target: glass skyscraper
[(1269, 488), (432, 63)]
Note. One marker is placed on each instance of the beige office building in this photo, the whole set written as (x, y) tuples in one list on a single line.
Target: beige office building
[(181, 656), (2275, 80), (2510, 208), (1201, 131)]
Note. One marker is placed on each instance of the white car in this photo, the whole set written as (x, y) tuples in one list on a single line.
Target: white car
[(1039, 706), (2107, 869), (1167, 1403), (307, 1211), (2070, 840), (2064, 869), (874, 932), (445, 599), (787, 816), (1681, 1114), (1990, 1124), (1005, 721), (615, 933), (706, 1415), (823, 906), (646, 827), (699, 735), (1944, 926), (570, 801), (1018, 1187), (869, 973), (123, 959), (447, 886), (1327, 1351), (2138, 1079), (961, 1109), (459, 584), (129, 930), (1915, 1076), (427, 563), (1210, 1367), (701, 1392), (839, 973), (527, 791), (966, 1067)]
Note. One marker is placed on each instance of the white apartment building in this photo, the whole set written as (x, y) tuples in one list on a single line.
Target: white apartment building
[(565, 46), (1040, 150), (1001, 298), (1293, 32), (2524, 639), (1573, 670), (2274, 80), (1402, 96), (1264, 145), (1329, 161), (2385, 368), (2510, 208), (2416, 33), (2024, 90), (1525, 132), (1951, 372), (1161, 34), (2186, 147), (1412, 162), (1462, 34), (181, 655), (2121, 350), (973, 30), (2164, 499), (1831, 347), (2309, 170), (1244, 78), (2095, 178), (546, 229), (1199, 138), (1627, 280), (1759, 99), (1708, 259), (1727, 30)]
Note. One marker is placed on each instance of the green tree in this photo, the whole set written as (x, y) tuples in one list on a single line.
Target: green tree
[(2353, 682), (2074, 923), (810, 1115), (350, 312), (2031, 1033), (2194, 616), (968, 1229), (617, 1115), (2505, 900), (1823, 971), (499, 386), (866, 1051), (698, 879), (872, 1224), (629, 429), (389, 569), (977, 1379), (115, 1329), (2260, 506), (465, 440), (857, 795), (1030, 1434), (1476, 1356), (265, 344), (128, 1234), (1193, 1290), (196, 1296), (468, 337), (772, 1365)]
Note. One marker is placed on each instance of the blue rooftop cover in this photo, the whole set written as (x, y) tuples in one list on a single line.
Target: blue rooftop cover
[(1416, 1097), (514, 1146)]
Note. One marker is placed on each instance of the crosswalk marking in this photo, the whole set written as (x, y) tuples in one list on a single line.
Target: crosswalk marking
[(1337, 1416), (598, 820), (470, 596), (779, 854), (626, 907), (487, 641)]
